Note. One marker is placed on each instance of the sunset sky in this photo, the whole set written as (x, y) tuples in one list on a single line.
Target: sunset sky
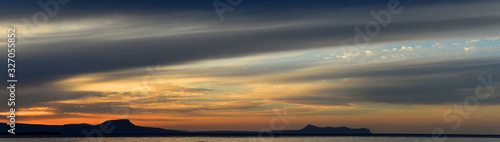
[(177, 65)]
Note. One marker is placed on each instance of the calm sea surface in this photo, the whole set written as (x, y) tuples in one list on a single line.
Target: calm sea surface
[(240, 139)]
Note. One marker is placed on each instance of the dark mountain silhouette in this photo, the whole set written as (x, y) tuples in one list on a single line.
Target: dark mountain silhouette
[(125, 127), (111, 127), (333, 130)]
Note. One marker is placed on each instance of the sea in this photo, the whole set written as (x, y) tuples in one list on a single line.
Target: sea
[(251, 139)]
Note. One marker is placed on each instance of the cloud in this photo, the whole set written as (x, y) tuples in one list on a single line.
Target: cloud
[(428, 83), (369, 52), (404, 48), (89, 38), (178, 32), (470, 49)]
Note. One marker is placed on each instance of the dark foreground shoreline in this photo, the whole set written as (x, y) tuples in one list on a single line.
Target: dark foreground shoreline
[(250, 134)]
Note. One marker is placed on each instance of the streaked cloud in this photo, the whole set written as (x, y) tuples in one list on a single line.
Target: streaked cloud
[(176, 60)]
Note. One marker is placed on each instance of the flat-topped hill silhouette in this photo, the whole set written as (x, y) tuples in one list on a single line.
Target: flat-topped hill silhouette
[(335, 130)]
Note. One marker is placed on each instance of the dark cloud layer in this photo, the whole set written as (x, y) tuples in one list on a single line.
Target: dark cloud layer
[(255, 27), (59, 59)]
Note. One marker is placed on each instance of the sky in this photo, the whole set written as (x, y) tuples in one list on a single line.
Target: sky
[(258, 65)]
